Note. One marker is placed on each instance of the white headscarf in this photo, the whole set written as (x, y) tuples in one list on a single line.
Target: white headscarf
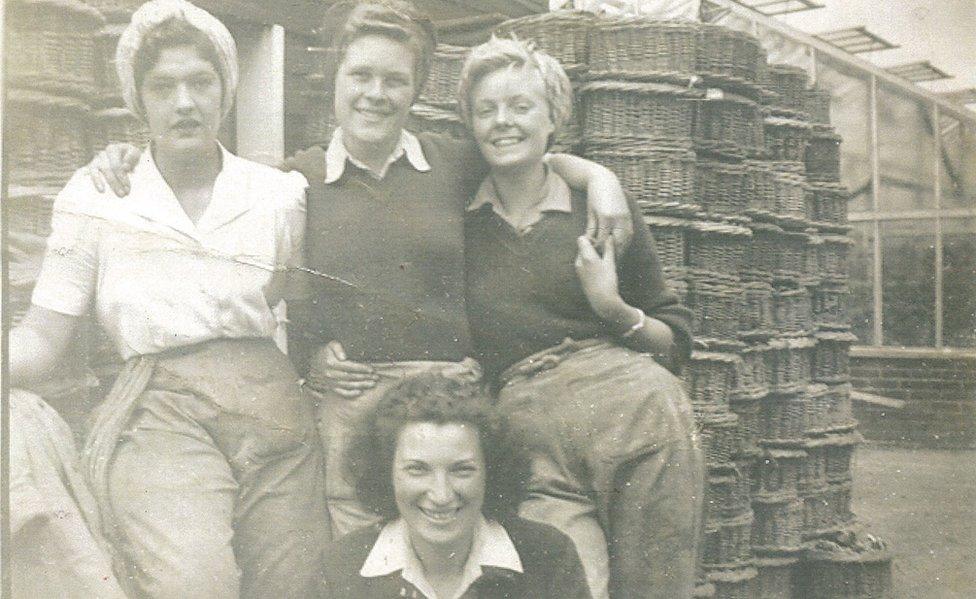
[(147, 18)]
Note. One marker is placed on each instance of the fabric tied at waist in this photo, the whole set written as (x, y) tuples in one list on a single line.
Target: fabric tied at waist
[(548, 359)]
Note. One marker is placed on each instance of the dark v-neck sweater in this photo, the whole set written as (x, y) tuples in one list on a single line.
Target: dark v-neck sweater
[(523, 294), (397, 246)]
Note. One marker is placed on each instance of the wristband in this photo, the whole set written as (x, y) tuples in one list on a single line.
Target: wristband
[(638, 326)]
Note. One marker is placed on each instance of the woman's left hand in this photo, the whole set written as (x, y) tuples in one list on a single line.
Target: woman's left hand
[(608, 216), (598, 276)]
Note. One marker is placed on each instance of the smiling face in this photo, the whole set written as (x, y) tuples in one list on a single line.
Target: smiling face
[(374, 88), (439, 483), (181, 96), (510, 117)]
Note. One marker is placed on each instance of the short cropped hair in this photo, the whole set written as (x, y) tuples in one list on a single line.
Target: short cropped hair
[(438, 399), (398, 20), (504, 53)]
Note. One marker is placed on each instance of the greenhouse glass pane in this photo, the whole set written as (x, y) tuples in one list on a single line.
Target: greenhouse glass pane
[(959, 282), (862, 282), (850, 116), (958, 164), (907, 153), (908, 282)]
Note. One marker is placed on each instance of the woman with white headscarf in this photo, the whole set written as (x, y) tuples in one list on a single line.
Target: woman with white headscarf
[(204, 459)]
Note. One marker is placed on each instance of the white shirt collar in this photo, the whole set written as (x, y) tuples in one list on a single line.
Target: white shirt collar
[(336, 156), (392, 552), (153, 198), (558, 198)]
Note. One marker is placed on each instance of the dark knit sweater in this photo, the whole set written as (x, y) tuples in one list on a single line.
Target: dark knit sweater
[(551, 568), (523, 294), (398, 243)]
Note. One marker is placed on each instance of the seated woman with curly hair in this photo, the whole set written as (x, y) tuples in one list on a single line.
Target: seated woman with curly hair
[(439, 463)]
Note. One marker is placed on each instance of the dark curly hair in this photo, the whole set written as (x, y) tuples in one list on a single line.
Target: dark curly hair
[(442, 400)]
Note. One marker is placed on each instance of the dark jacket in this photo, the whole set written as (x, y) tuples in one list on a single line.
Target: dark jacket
[(550, 564)]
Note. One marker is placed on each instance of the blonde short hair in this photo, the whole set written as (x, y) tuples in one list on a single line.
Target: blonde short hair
[(499, 53)]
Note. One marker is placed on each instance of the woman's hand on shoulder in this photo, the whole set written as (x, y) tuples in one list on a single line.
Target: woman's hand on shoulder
[(111, 168), (330, 370), (598, 276)]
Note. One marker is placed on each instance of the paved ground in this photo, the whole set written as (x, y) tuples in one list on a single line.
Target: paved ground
[(923, 502)]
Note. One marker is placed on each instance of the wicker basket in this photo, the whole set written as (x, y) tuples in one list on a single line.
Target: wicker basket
[(50, 141), (109, 90), (776, 474), (817, 517), (714, 303), (822, 154), (669, 236), (756, 319), (739, 583), (29, 209), (816, 103), (789, 83), (810, 276), (816, 404), (840, 453), (115, 125), (759, 189), (728, 125), (722, 188), (813, 468), (434, 119), (727, 541), (441, 88), (789, 363), (839, 416), (711, 377), (53, 46), (727, 492), (801, 358), (828, 203), (653, 113), (789, 191), (781, 417), (830, 305), (720, 436), (786, 139), (761, 258), (838, 498), (561, 34), (831, 363), (644, 49), (751, 378), (833, 257), (717, 247), (747, 408), (844, 575), (727, 57), (792, 311), (791, 248), (658, 178), (775, 579), (778, 525)]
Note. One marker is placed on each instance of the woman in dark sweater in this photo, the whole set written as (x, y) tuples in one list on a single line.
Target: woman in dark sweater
[(578, 342), (438, 462)]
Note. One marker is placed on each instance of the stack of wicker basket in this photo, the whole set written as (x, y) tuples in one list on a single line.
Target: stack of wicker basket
[(735, 167)]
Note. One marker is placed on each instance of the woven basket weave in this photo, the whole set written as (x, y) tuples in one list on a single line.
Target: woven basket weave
[(655, 113), (833, 257), (751, 378), (738, 583), (434, 119), (759, 189), (717, 247), (830, 305), (720, 436), (792, 311), (786, 139), (811, 276), (839, 416), (816, 103), (729, 57), (561, 34), (715, 304), (789, 191), (711, 377), (643, 49), (816, 406), (52, 46), (756, 317), (781, 418), (840, 453), (656, 178), (51, 139), (748, 409), (813, 468), (29, 209), (728, 126), (831, 363), (789, 84), (722, 188), (727, 541), (669, 240), (776, 473), (116, 125), (829, 204), (778, 525), (775, 579), (727, 492), (441, 88), (844, 575), (822, 154)]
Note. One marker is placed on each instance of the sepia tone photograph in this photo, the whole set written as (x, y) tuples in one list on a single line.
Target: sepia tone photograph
[(461, 299)]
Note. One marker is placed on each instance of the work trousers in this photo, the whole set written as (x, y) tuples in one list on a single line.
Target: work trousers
[(617, 464), (339, 418), (214, 484)]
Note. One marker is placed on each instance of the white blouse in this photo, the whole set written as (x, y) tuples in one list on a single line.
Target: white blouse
[(158, 280)]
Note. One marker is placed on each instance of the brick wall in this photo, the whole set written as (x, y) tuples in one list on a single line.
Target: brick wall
[(939, 393)]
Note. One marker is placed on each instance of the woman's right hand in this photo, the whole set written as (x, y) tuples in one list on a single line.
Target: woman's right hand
[(111, 168), (329, 370)]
